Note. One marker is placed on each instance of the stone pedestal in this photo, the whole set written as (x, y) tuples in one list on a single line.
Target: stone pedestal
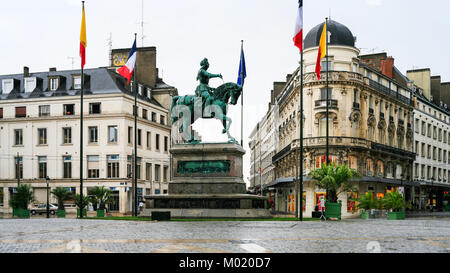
[(207, 182)]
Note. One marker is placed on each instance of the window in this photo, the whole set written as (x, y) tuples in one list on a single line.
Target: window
[(21, 112), (1, 112), (445, 136), (153, 117), (369, 167), (323, 93), (380, 168), (416, 129), (157, 142), (148, 171), (166, 144), (434, 153), (157, 172), (42, 161), (44, 110), (323, 126), (93, 166), (94, 108), (138, 167), (18, 137), (53, 84), (139, 142), (112, 134), (434, 132), (352, 162), (1, 197), (440, 134), (18, 167), (130, 134), (423, 149), (149, 140), (439, 154), (68, 109), (42, 136), (8, 86), (162, 120), (422, 172), (93, 134), (113, 166), (381, 136), (424, 128), (400, 142), (144, 114), (129, 164), (324, 64), (67, 166), (416, 147), (429, 130), (165, 173), (67, 135), (30, 84), (76, 82)]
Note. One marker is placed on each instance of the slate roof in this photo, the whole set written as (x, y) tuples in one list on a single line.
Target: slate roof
[(98, 81), (340, 35)]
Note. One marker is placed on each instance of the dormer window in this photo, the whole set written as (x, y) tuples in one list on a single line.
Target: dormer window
[(76, 82), (148, 93), (141, 90), (30, 84), (53, 84), (7, 86)]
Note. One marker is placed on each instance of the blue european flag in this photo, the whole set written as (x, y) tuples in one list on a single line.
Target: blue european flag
[(242, 71)]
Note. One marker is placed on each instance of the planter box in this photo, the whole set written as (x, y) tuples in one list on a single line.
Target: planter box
[(61, 213), (365, 215), (100, 213), (333, 210), (161, 215), (78, 212), (396, 215), (21, 213)]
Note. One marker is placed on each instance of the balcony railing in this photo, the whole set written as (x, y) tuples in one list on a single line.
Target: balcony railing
[(323, 103), (401, 123), (391, 119), (393, 150), (381, 115), (371, 111), (390, 92), (356, 105)]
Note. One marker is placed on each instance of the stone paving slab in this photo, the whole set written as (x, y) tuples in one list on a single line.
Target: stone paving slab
[(346, 236)]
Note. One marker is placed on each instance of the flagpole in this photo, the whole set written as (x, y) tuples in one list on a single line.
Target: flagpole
[(242, 97), (301, 135), (327, 91), (135, 85), (81, 133)]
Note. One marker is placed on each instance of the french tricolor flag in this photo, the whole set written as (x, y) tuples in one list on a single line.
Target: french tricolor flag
[(298, 32), (127, 69)]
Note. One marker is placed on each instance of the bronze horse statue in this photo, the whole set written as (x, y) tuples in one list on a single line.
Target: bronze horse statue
[(187, 109)]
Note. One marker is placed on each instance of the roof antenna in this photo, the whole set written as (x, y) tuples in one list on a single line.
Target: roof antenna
[(109, 40), (142, 22)]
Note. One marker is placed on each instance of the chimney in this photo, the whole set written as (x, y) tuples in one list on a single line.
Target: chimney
[(52, 69), (387, 66), (26, 71)]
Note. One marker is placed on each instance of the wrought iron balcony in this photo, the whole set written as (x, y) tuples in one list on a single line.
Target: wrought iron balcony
[(393, 150), (401, 123), (381, 115), (356, 105), (391, 119), (323, 103), (371, 111), (390, 92)]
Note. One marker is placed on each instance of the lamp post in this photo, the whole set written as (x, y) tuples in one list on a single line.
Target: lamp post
[(47, 179)]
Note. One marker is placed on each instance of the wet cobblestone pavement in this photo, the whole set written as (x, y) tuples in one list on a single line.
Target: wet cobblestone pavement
[(347, 236)]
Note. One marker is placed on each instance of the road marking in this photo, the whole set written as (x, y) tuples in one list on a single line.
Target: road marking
[(254, 248)]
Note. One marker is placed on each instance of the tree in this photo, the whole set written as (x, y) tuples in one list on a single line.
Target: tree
[(22, 198), (62, 194), (100, 195), (335, 179)]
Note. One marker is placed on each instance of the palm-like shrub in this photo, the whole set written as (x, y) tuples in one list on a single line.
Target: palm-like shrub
[(62, 194), (366, 202), (394, 201), (22, 198), (335, 179), (79, 204), (100, 195)]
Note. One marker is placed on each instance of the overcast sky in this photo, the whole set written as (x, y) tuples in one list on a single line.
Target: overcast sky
[(45, 33)]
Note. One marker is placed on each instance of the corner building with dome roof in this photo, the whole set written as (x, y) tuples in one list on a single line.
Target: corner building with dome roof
[(370, 124)]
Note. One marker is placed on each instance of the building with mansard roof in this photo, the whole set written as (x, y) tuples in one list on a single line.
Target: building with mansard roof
[(40, 131)]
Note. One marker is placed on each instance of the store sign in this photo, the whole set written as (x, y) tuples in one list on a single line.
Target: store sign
[(401, 190)]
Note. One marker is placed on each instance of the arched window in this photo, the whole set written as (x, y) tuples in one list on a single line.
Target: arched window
[(323, 128), (380, 168), (369, 167), (381, 136)]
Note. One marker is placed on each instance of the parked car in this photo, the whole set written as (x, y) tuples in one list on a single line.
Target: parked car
[(42, 208)]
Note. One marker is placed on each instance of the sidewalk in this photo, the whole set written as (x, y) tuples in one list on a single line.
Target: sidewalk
[(413, 214)]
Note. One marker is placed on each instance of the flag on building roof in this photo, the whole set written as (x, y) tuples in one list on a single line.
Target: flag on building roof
[(83, 41), (322, 48), (128, 68), (298, 32), (242, 70)]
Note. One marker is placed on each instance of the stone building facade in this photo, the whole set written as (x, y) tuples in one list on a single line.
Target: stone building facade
[(370, 123), (39, 134)]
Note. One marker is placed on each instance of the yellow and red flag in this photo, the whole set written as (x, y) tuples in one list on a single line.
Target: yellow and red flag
[(322, 49), (83, 41)]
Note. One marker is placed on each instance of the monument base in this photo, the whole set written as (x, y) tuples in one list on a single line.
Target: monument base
[(207, 183)]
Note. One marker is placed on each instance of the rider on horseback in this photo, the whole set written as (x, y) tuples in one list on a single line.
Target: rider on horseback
[(203, 90)]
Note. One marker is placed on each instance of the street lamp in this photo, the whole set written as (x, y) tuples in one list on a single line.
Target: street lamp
[(47, 179)]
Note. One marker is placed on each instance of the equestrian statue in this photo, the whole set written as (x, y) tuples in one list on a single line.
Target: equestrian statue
[(207, 103)]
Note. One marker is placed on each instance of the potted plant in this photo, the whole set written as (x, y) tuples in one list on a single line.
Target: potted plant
[(335, 179), (101, 195), (366, 203), (21, 200), (81, 206), (395, 203), (61, 194)]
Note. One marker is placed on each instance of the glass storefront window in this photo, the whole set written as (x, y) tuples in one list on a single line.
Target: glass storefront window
[(352, 203)]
